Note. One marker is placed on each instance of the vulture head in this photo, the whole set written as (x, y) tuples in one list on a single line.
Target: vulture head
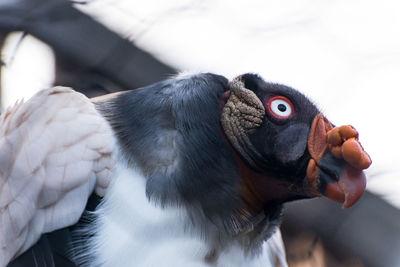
[(286, 148)]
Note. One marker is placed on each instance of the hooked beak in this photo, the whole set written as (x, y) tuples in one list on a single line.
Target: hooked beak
[(337, 161)]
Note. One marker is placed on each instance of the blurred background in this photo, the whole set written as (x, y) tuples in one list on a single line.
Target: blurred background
[(343, 54)]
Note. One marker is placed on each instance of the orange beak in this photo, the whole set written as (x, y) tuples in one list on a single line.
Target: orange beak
[(335, 169)]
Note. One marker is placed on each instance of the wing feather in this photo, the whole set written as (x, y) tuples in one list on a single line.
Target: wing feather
[(55, 149)]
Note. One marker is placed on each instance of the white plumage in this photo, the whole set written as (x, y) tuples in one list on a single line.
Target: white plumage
[(131, 231), (55, 149)]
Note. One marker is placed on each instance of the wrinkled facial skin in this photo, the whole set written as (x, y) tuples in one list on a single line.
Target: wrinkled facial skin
[(296, 152)]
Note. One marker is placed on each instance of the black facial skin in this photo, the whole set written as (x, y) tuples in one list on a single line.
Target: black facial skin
[(331, 170), (282, 142)]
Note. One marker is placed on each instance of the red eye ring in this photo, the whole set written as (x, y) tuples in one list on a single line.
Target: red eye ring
[(280, 107)]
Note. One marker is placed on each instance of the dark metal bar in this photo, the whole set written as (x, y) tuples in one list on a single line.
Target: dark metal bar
[(82, 42)]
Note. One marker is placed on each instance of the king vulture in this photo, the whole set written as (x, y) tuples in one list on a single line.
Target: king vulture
[(192, 171)]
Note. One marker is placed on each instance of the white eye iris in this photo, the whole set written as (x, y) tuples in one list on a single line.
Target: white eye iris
[(280, 107)]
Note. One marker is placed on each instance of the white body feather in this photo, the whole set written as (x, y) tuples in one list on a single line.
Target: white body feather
[(131, 231)]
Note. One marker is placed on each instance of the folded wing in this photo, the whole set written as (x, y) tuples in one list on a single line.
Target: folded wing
[(55, 149)]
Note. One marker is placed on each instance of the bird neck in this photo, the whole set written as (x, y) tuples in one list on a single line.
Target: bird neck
[(259, 192)]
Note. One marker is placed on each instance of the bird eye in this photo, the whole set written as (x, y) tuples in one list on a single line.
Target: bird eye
[(280, 107)]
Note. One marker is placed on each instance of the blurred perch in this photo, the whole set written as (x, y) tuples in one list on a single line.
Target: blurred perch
[(370, 230), (89, 57)]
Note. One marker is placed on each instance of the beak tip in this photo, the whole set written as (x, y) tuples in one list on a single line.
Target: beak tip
[(349, 189)]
